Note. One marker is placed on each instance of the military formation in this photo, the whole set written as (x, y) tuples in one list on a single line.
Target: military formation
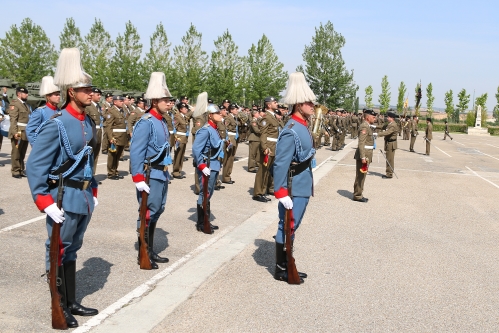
[(79, 123)]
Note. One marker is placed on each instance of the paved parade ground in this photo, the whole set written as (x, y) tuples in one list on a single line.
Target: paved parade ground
[(420, 256)]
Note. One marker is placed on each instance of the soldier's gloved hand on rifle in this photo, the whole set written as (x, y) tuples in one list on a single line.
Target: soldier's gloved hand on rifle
[(96, 202), (206, 171), (375, 135), (56, 214), (142, 186), (286, 202)]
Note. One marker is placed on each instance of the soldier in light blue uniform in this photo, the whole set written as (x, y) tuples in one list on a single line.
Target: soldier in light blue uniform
[(64, 145), (294, 155), (43, 113), (208, 143), (150, 143)]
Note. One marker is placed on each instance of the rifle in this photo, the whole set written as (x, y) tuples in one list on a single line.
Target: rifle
[(144, 260), (206, 223), (388, 163), (293, 277), (58, 319)]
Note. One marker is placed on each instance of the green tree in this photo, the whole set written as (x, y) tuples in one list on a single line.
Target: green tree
[(190, 64), (482, 101), (369, 97), (384, 97), (325, 68), (266, 75), (97, 51), (400, 99), (449, 104), (495, 112), (70, 35), (158, 59), (225, 70), (462, 106), (125, 64), (429, 100), (27, 53)]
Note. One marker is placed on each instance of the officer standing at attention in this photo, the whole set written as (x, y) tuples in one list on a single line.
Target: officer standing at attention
[(363, 154), (182, 136), (67, 138), (428, 135), (106, 105), (390, 133), (268, 139), (254, 142), (198, 121), (94, 111), (151, 140), (294, 154), (116, 134), (230, 152), (42, 114), (414, 132), (19, 112), (208, 145)]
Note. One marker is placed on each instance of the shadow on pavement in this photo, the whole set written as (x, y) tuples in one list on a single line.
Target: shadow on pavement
[(160, 241), (264, 255), (345, 193), (92, 277), (376, 173)]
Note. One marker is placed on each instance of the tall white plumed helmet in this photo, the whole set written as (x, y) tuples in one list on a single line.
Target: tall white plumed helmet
[(298, 90), (48, 87), (201, 104), (69, 73), (157, 87)]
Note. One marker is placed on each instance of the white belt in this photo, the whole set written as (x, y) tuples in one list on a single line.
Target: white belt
[(22, 124), (171, 132), (232, 133), (271, 139), (369, 147), (180, 133), (97, 126), (119, 130)]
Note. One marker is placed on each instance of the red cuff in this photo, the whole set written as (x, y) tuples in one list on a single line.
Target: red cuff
[(283, 192), (43, 201), (138, 178), (201, 167), (94, 192)]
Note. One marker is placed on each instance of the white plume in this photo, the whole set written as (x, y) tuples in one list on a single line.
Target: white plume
[(69, 72), (157, 87), (298, 90), (201, 104), (48, 86)]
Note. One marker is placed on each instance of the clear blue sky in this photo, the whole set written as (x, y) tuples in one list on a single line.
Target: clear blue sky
[(451, 44)]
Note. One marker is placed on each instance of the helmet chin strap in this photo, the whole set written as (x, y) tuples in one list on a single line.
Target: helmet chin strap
[(306, 117)]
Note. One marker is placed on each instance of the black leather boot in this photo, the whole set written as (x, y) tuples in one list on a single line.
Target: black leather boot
[(153, 255), (200, 222), (75, 307), (61, 288), (214, 227), (281, 270)]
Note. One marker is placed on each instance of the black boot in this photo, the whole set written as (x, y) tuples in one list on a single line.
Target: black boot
[(214, 227), (61, 288), (153, 264), (281, 269), (153, 255), (75, 307), (200, 222)]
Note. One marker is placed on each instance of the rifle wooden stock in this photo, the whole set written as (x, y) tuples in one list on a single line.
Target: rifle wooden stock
[(58, 319), (206, 222), (144, 261), (293, 277)]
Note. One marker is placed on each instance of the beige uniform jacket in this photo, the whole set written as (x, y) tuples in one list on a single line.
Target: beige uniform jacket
[(181, 123), (230, 125), (390, 134), (116, 126), (366, 143), (19, 116), (269, 133), (429, 131), (254, 130)]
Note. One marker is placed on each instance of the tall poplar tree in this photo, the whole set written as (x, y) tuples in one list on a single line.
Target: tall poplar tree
[(158, 59), (266, 75), (369, 97), (27, 53), (97, 51), (190, 64), (429, 100), (384, 97), (70, 35), (225, 70), (449, 104), (325, 68), (495, 112), (400, 98), (127, 71)]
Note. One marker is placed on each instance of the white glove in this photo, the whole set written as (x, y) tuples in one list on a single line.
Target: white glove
[(375, 135), (96, 202), (142, 186), (206, 171), (286, 202), (55, 213)]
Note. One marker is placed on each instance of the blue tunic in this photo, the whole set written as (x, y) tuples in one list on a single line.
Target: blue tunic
[(150, 139), (48, 154), (37, 118), (207, 138)]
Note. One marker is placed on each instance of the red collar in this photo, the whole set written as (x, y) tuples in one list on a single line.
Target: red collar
[(74, 113), (301, 121), (155, 114), (212, 124), (50, 106)]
